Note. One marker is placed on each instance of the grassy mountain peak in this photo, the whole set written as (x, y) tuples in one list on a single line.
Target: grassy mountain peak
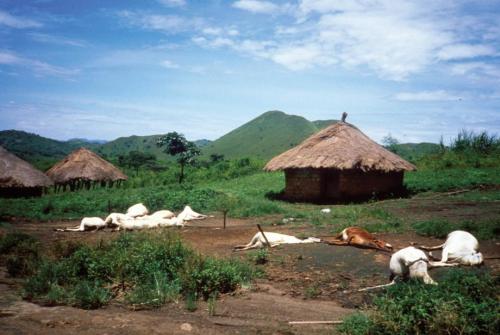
[(265, 136)]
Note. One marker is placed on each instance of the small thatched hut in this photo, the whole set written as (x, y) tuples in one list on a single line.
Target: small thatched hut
[(19, 178), (83, 168), (339, 163)]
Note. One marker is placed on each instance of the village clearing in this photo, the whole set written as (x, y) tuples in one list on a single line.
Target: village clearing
[(301, 282)]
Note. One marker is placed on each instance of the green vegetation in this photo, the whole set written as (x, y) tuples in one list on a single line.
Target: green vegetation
[(147, 269), (265, 136), (184, 151), (441, 228), (21, 252), (464, 302)]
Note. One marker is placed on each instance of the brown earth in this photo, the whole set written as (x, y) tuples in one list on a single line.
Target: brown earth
[(303, 282)]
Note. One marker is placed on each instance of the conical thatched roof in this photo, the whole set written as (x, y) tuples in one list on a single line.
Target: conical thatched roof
[(340, 146), (14, 172), (85, 165)]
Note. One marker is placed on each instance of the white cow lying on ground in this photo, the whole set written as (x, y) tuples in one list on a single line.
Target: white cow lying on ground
[(87, 224), (137, 210), (163, 214), (460, 247), (188, 214), (409, 262), (113, 219), (274, 239), (146, 222)]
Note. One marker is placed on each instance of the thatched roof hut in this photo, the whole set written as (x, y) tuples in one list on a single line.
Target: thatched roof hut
[(83, 167), (337, 163), (20, 178)]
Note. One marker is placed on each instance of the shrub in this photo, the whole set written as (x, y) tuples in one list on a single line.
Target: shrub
[(23, 253), (435, 228), (441, 228), (463, 303), (158, 268), (259, 257)]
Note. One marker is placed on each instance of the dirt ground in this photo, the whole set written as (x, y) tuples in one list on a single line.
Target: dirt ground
[(303, 282)]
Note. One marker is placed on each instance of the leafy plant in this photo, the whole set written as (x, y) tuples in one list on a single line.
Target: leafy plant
[(465, 302)]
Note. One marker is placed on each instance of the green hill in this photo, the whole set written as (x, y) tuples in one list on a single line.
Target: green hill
[(265, 136), (414, 151), (147, 144), (32, 147)]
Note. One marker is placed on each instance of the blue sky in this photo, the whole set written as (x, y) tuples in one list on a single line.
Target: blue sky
[(103, 69)]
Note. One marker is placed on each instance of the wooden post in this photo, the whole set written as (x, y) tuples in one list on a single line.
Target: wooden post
[(225, 214), (315, 322), (264, 235)]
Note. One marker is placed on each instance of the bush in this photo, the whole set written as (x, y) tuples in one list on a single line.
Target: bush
[(463, 303), (22, 253), (435, 228), (157, 266)]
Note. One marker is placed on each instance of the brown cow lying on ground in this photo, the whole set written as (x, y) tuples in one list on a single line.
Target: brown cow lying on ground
[(359, 237)]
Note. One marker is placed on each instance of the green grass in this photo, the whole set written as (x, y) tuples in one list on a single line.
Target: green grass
[(483, 230), (151, 269), (464, 302)]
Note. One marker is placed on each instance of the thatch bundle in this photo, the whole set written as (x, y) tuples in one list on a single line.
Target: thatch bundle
[(18, 177), (340, 146), (83, 167)]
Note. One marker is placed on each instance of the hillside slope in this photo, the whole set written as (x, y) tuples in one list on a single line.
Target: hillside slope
[(32, 147), (265, 136)]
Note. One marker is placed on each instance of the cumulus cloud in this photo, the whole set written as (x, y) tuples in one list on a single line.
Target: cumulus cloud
[(439, 95), (391, 39), (17, 22)]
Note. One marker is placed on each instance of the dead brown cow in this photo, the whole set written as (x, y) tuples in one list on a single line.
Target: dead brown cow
[(359, 237)]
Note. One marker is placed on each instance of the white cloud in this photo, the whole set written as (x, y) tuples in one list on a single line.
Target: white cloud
[(38, 68), (169, 24), (439, 95), (476, 70), (465, 51), (257, 6), (393, 39), (51, 39), (298, 57), (169, 64), (17, 22), (173, 3)]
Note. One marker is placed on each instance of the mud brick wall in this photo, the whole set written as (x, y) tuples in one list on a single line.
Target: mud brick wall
[(355, 183), (303, 184)]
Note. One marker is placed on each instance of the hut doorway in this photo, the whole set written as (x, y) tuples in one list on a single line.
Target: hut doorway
[(330, 184)]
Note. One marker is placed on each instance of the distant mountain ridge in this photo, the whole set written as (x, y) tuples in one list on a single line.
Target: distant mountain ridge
[(263, 137)]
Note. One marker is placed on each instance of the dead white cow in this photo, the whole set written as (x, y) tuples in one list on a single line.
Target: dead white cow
[(188, 214), (460, 247), (137, 210), (163, 214), (258, 241), (93, 223), (409, 262), (114, 219)]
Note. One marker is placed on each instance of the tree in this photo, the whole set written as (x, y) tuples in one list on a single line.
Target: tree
[(136, 159), (391, 143), (176, 145)]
